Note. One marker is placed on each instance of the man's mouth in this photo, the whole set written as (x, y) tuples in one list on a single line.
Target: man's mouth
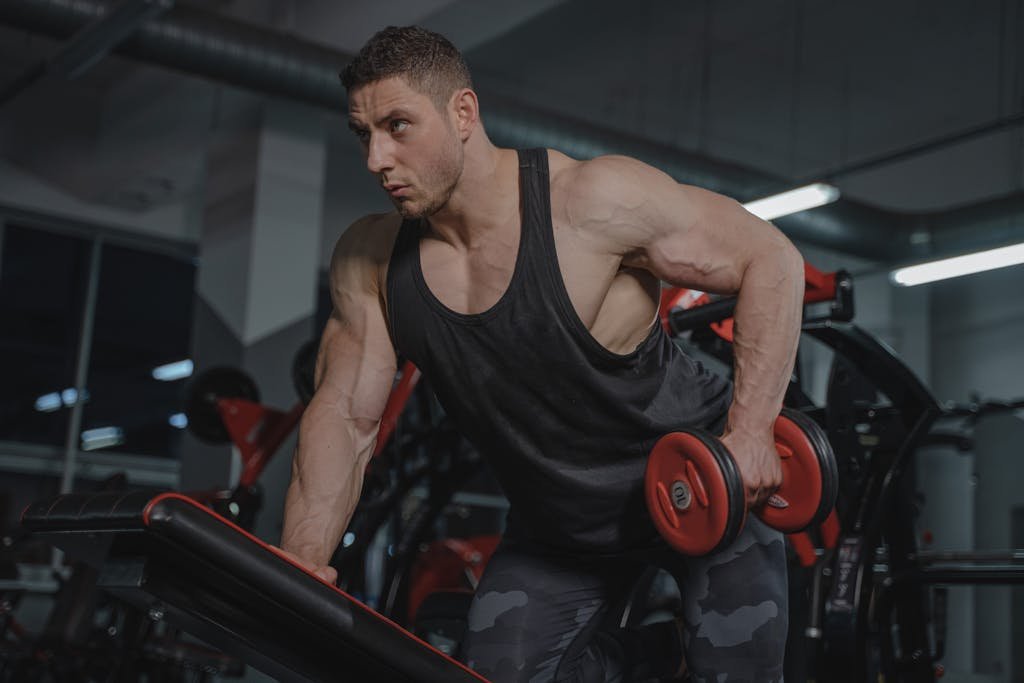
[(395, 190)]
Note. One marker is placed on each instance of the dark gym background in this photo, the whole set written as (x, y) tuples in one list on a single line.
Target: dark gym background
[(178, 199)]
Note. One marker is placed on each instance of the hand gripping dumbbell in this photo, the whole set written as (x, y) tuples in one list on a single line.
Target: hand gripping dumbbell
[(695, 494)]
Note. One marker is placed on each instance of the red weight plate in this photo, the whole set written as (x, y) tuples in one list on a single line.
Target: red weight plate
[(826, 459), (693, 493), (796, 503)]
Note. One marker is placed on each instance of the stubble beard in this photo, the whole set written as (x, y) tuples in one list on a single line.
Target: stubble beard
[(445, 173)]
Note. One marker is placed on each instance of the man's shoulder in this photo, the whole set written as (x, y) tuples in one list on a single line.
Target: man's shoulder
[(365, 247), (561, 163), (596, 188), (373, 228), (597, 179), (370, 237)]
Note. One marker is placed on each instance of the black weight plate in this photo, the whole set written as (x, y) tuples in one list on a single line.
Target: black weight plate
[(201, 402)]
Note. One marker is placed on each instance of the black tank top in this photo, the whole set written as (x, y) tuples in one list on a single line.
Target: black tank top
[(565, 424)]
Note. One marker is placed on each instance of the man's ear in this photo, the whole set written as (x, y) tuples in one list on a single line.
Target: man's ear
[(467, 112)]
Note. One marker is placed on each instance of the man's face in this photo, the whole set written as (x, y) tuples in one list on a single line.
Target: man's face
[(412, 148)]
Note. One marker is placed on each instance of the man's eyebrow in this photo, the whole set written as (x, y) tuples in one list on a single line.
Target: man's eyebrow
[(393, 114), (357, 127)]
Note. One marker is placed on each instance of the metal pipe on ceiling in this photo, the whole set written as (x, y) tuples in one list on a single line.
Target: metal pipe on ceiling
[(220, 48)]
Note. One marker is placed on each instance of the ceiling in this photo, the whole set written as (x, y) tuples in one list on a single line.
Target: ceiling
[(790, 89)]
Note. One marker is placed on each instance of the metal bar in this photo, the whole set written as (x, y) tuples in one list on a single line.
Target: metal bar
[(82, 366), (909, 604), (88, 46), (397, 400), (32, 578), (22, 82), (92, 466), (968, 556), (86, 230), (967, 574), (95, 41), (963, 135), (1004, 123), (880, 366), (484, 500), (685, 319)]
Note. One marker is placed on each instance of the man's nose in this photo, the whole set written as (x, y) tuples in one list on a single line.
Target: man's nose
[(379, 154)]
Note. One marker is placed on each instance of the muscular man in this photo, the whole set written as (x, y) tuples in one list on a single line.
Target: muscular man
[(524, 284)]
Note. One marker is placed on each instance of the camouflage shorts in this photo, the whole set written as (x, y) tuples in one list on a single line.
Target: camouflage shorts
[(540, 617)]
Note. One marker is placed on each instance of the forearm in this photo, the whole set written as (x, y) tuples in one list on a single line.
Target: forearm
[(327, 479), (768, 316)]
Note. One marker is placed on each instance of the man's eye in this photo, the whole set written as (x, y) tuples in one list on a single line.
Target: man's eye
[(398, 126), (363, 135)]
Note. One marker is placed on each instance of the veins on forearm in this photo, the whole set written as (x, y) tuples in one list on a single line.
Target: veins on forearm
[(765, 338)]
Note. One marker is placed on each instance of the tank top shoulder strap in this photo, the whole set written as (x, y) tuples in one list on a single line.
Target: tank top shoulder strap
[(535, 190), (537, 231), (401, 268)]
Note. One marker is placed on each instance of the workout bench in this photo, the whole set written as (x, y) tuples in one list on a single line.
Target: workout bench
[(175, 559)]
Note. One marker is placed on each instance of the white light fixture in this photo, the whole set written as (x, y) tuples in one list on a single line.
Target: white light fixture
[(800, 199), (172, 371), (70, 396), (102, 437), (47, 403), (179, 420), (959, 265)]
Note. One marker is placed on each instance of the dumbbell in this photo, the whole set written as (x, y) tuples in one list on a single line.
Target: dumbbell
[(695, 495)]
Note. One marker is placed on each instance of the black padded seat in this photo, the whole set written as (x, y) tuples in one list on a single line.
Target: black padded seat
[(169, 555)]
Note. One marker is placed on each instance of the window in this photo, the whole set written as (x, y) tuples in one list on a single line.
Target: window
[(143, 323), (43, 278), (139, 347)]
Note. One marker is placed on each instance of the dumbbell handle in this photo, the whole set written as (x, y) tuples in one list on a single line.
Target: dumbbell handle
[(696, 465)]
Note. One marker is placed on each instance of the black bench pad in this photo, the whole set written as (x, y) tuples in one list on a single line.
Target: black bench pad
[(169, 555)]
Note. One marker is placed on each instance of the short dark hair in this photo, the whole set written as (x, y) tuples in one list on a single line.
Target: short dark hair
[(426, 60)]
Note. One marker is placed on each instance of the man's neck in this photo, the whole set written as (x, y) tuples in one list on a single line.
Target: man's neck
[(485, 199)]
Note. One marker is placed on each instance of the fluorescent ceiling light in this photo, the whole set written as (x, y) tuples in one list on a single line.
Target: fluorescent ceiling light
[(172, 371), (70, 396), (800, 199), (179, 420), (47, 403), (102, 437), (959, 265)]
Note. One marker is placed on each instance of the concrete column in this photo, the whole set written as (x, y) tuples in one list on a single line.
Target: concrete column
[(947, 486), (1000, 469), (259, 258)]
